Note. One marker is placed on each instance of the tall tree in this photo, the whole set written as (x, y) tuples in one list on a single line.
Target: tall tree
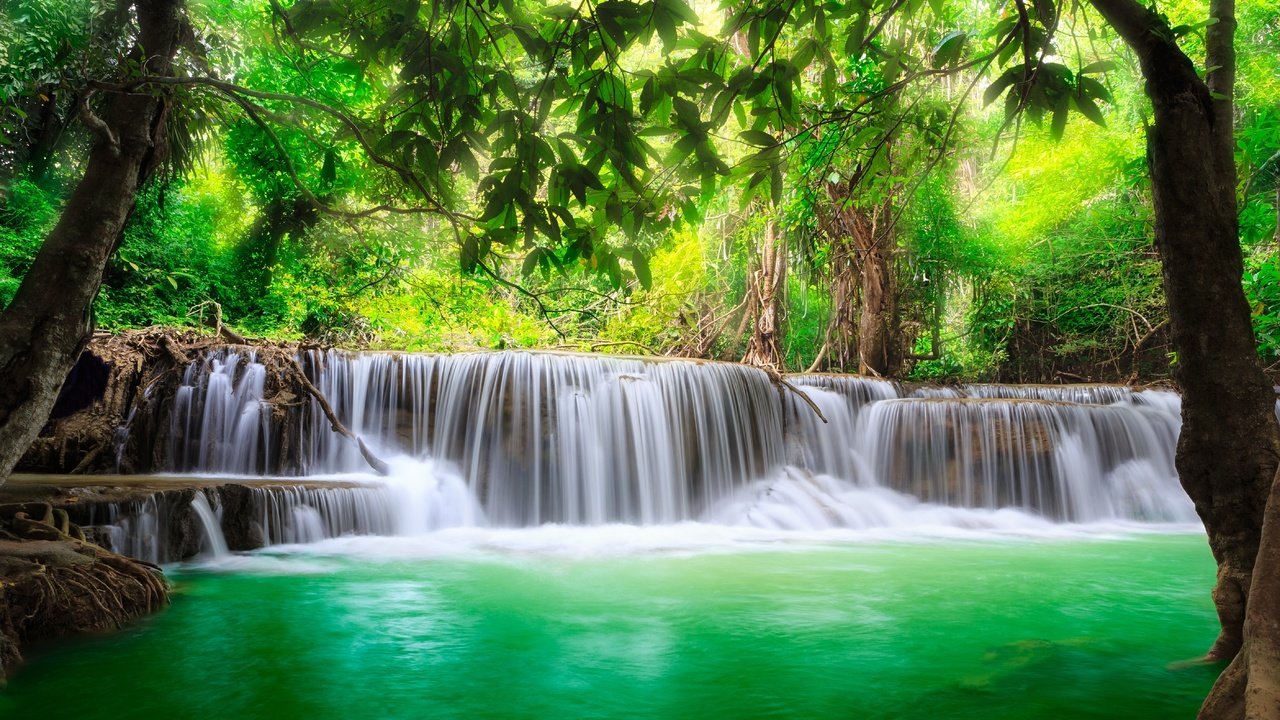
[(1230, 444), (766, 302), (50, 320)]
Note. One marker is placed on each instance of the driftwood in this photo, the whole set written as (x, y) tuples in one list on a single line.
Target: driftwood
[(215, 321)]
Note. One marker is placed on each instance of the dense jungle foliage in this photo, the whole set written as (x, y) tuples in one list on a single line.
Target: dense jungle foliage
[(1018, 243)]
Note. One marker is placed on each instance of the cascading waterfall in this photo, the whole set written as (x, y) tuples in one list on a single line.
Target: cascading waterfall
[(517, 439), (1064, 461), (297, 514), (220, 422)]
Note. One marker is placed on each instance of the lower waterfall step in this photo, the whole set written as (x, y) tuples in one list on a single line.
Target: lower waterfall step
[(166, 520)]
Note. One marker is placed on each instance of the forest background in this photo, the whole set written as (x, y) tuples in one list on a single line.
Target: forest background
[(1012, 247)]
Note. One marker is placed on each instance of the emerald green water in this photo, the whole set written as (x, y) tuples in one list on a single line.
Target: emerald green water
[(1011, 628)]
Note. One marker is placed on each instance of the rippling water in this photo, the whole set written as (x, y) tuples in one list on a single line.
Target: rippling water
[(657, 623)]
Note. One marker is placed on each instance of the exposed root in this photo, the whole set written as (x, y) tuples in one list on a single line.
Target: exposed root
[(87, 461), (55, 584)]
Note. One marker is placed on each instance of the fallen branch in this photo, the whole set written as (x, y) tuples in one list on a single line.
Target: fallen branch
[(781, 381), (378, 464), (622, 343), (88, 459), (178, 357), (215, 322)]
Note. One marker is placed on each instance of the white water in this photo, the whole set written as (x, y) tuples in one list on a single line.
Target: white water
[(215, 545), (511, 440)]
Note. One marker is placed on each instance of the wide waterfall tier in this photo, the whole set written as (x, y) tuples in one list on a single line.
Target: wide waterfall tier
[(1062, 460), (532, 438)]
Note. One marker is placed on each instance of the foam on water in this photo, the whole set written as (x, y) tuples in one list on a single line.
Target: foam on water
[(795, 510)]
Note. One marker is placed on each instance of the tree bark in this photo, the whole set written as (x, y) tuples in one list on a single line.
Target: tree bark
[(50, 319), (871, 240), (877, 328), (1230, 442), (767, 303)]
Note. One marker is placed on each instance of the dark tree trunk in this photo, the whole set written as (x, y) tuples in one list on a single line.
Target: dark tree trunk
[(767, 303), (1230, 442), (50, 319), (869, 234), (877, 329), (281, 219), (48, 135)]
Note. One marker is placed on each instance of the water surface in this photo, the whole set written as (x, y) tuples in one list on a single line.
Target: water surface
[(640, 623)]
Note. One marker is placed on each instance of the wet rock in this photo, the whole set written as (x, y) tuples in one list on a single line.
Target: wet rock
[(239, 527)]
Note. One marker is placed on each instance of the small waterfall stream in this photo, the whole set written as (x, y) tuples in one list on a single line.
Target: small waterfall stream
[(215, 544)]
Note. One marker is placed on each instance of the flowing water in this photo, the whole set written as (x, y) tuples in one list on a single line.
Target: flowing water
[(566, 536), (526, 439)]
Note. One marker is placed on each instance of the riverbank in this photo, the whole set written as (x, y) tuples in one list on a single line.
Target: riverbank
[(54, 583)]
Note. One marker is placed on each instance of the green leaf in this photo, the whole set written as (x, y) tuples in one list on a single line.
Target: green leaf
[(1088, 109), (470, 255), (759, 138), (1092, 88), (393, 140), (641, 266), (948, 48), (995, 89), (531, 262), (328, 170), (1059, 124)]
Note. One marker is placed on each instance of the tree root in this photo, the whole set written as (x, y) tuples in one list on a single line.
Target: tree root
[(87, 461), (56, 584)]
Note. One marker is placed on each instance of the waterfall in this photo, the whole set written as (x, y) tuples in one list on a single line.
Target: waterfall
[(219, 422), (215, 545), (297, 514), (1062, 460), (515, 439)]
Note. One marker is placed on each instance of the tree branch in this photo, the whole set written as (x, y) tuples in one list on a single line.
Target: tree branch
[(97, 125)]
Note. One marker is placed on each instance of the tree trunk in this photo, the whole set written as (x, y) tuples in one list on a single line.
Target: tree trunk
[(767, 303), (870, 237), (877, 328), (846, 282), (281, 220), (1250, 686), (50, 319), (1230, 441)]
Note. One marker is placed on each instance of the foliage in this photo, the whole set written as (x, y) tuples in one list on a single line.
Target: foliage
[(26, 217), (598, 172)]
